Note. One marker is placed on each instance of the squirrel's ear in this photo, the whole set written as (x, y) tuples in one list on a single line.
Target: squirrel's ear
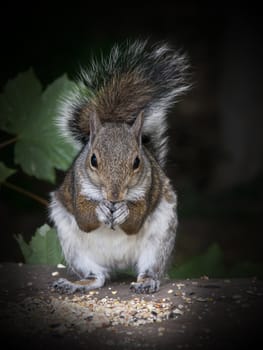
[(94, 124), (137, 127)]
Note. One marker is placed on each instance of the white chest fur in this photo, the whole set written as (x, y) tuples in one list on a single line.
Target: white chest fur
[(111, 248), (105, 249)]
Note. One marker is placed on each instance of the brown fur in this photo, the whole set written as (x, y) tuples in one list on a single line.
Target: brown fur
[(117, 179), (120, 100), (78, 205), (141, 209), (115, 146), (84, 210)]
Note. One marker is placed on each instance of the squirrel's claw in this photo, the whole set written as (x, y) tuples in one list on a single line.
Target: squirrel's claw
[(64, 286), (104, 212), (120, 213), (146, 286), (111, 214)]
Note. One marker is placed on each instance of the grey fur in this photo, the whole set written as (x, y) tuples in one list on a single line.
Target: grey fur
[(116, 207)]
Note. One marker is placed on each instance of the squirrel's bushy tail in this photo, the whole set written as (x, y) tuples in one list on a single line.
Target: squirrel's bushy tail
[(134, 77)]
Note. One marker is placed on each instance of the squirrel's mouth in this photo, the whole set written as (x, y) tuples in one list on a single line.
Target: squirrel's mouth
[(114, 195)]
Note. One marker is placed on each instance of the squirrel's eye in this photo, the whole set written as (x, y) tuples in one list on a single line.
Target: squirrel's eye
[(93, 161), (136, 163)]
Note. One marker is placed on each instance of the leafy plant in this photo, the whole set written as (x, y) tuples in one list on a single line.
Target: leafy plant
[(5, 172), (28, 114), (44, 247), (211, 264)]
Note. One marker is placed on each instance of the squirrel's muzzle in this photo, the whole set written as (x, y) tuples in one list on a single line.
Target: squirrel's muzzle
[(115, 196)]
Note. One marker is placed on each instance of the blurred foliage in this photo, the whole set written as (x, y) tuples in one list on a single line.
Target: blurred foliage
[(211, 264), (44, 247), (28, 114), (208, 264), (5, 172)]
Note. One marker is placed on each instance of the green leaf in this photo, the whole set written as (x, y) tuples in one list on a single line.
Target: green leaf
[(25, 248), (30, 114), (44, 247), (210, 264), (5, 172)]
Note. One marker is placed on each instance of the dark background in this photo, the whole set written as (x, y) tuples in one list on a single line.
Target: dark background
[(215, 161)]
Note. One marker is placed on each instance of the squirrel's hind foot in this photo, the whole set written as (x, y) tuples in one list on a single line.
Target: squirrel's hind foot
[(64, 286), (146, 285)]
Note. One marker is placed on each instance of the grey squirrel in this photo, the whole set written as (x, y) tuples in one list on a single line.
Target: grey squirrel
[(116, 207)]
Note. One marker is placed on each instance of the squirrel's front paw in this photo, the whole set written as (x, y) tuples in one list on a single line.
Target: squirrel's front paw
[(120, 213), (104, 212)]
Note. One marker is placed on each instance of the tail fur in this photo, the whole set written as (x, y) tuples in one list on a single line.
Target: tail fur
[(134, 77)]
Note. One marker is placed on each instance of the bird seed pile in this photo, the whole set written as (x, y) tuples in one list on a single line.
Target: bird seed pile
[(86, 313)]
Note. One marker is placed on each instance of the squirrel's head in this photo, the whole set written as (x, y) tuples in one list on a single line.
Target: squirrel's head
[(115, 158)]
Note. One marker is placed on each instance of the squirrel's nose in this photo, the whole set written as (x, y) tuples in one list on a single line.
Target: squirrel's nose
[(115, 196)]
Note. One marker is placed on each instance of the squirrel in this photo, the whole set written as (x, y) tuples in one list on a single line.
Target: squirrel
[(116, 208)]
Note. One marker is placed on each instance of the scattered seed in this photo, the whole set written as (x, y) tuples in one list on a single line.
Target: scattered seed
[(92, 292), (55, 273), (86, 313), (61, 266), (178, 312), (201, 299), (206, 278)]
